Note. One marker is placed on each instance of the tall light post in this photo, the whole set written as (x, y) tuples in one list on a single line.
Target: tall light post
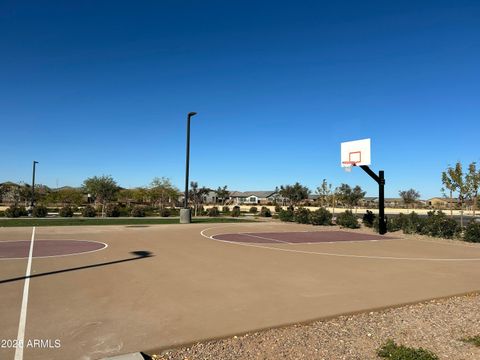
[(185, 214), (32, 202)]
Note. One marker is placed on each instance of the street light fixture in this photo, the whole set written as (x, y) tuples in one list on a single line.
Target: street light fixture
[(185, 214)]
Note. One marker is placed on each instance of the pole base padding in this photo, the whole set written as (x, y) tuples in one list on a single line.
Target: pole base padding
[(185, 216)]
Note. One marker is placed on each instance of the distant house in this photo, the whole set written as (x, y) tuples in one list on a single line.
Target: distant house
[(253, 197), (440, 202)]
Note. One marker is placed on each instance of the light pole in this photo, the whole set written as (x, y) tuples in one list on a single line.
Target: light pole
[(185, 214), (32, 203)]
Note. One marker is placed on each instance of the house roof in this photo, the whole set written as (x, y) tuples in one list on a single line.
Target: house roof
[(260, 194)]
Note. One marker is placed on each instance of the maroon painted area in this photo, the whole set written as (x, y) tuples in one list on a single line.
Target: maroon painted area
[(21, 248), (300, 237)]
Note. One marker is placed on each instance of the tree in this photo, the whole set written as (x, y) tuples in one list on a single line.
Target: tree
[(409, 196), (449, 185), (162, 192), (325, 193), (222, 193), (126, 196), (473, 183), (69, 196), (103, 189), (294, 193), (196, 195), (455, 181), (350, 197)]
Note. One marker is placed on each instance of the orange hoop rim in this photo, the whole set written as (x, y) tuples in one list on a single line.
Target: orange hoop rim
[(351, 163)]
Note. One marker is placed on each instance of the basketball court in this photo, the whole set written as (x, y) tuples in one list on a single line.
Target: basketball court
[(100, 291)]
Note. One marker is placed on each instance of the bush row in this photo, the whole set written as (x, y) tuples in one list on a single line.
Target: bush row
[(304, 216), (111, 210), (436, 224)]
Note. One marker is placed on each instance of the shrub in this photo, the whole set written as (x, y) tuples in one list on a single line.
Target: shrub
[(474, 340), (439, 225), (265, 212), (15, 211), (278, 208), (40, 211), (347, 219), (472, 232), (174, 211), (412, 223), (225, 209), (89, 211), (236, 211), (253, 210), (394, 223), (164, 212), (138, 211), (66, 211), (286, 215), (2, 213), (368, 219), (124, 210), (302, 215), (213, 211), (321, 217), (390, 350), (112, 210)]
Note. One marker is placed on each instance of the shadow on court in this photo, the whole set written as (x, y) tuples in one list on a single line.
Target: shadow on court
[(139, 254)]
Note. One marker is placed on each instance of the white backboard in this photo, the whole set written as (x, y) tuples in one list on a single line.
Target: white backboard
[(357, 151)]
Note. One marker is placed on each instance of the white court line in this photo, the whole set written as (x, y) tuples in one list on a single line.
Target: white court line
[(23, 311), (333, 254)]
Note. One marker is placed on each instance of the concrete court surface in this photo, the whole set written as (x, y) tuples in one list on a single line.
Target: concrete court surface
[(194, 287)]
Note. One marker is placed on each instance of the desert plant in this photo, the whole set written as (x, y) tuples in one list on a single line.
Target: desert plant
[(253, 210), (40, 211), (226, 209), (66, 211), (138, 211), (302, 215), (236, 211), (347, 219), (265, 212), (472, 232), (368, 218), (213, 211), (321, 217), (89, 211), (286, 215), (112, 210), (474, 340), (278, 208), (390, 350), (15, 211)]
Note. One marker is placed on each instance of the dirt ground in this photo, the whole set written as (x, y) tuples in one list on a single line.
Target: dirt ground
[(194, 287)]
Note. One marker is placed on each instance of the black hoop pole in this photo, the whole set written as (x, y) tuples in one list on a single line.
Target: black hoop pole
[(380, 179)]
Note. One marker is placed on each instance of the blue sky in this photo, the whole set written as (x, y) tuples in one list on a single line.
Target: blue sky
[(90, 88)]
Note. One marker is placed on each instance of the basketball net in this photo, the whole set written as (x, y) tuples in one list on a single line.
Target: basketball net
[(348, 165)]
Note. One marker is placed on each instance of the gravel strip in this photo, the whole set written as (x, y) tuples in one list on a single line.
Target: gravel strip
[(437, 325)]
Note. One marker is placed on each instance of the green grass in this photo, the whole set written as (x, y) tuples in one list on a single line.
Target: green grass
[(475, 340), (390, 350), (109, 221)]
